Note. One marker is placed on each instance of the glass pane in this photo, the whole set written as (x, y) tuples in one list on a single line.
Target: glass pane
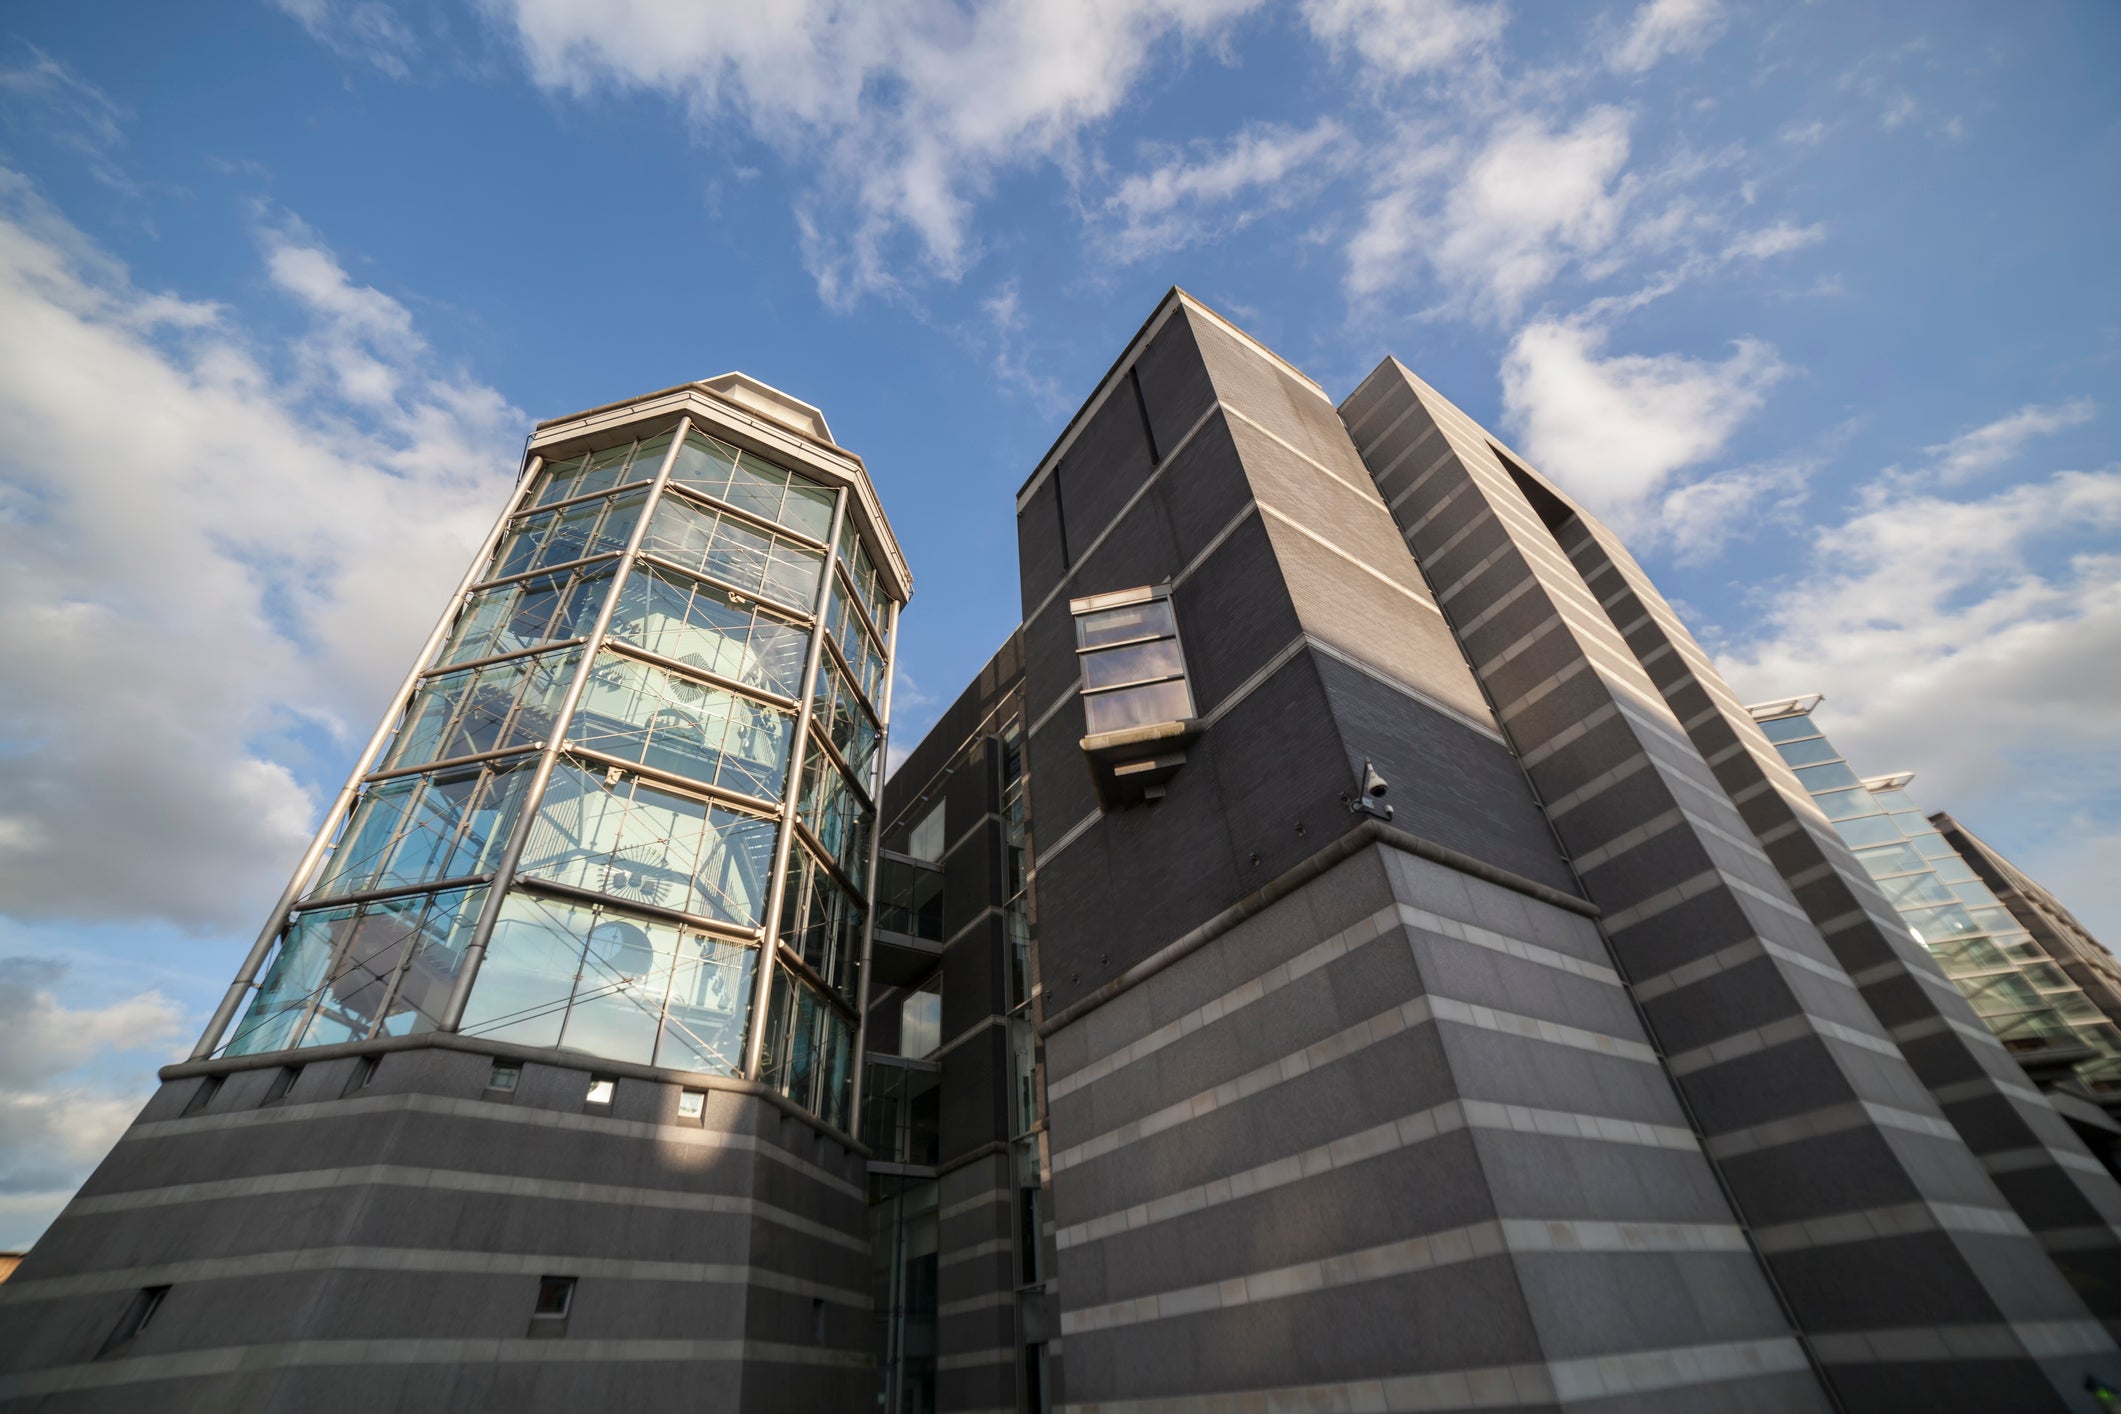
[(1142, 662), (483, 709), (1809, 752), (558, 480), (511, 617), (920, 1024), (1788, 728), (1841, 804), (1939, 924), (734, 552), (631, 839), (863, 657), (704, 464), (424, 987), (1915, 890), (710, 1001), (693, 622), (1833, 776), (868, 585), (1891, 859), (693, 729), (1137, 707), (833, 813), (1145, 620), (291, 981), (617, 1009), (821, 923), (570, 533), (523, 986), (844, 721), (1871, 829), (1894, 800), (418, 829), (363, 969)]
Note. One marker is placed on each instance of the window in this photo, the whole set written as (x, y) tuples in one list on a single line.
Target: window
[(138, 1313), (601, 1091), (692, 1104), (283, 1082), (506, 1075), (555, 1297), (926, 842), (204, 1095), (1133, 669), (920, 1025), (364, 1074)]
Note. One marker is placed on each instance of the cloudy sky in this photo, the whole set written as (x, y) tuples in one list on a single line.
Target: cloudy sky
[(1816, 302)]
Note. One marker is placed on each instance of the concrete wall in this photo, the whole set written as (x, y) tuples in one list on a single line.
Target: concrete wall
[(381, 1246)]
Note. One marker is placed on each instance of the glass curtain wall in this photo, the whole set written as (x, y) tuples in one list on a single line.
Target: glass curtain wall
[(2030, 1004), (633, 923)]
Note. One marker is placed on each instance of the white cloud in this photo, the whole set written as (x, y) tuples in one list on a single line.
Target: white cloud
[(1265, 167), (1701, 517), (1402, 38), (1778, 239), (1532, 198), (1962, 639), (1994, 444), (53, 1129), (367, 30), (1662, 28), (71, 111), (207, 542), (904, 112), (1614, 430)]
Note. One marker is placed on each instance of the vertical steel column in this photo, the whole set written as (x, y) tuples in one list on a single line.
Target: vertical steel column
[(549, 755), (247, 974), (876, 839), (791, 797)]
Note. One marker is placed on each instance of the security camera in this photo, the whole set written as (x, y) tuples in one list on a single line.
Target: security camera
[(1373, 785), (1369, 797)]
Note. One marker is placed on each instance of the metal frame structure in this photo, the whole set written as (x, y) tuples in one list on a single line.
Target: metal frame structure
[(693, 409)]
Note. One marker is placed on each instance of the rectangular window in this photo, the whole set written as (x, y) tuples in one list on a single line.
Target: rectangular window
[(283, 1082), (555, 1297), (689, 728), (138, 1312), (422, 829), (204, 1095), (602, 1091), (1133, 666), (1796, 728), (495, 708), (692, 1104), (693, 622), (927, 841), (751, 483), (591, 472), (735, 552), (570, 533), (920, 1025), (505, 1077), (519, 615)]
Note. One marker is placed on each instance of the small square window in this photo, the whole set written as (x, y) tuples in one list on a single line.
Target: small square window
[(601, 1091), (692, 1104), (555, 1297), (1133, 670), (505, 1075)]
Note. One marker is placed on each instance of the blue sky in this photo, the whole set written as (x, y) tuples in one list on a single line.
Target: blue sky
[(1816, 302)]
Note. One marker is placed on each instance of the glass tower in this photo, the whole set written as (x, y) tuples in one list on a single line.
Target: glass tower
[(2039, 1014), (623, 806)]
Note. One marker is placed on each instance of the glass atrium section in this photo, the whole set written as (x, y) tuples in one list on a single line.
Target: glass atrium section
[(383, 968), (700, 626), (751, 484), (728, 548), (2032, 1008), (619, 834), (663, 720), (639, 644)]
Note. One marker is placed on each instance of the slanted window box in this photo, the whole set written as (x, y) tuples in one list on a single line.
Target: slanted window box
[(1137, 703)]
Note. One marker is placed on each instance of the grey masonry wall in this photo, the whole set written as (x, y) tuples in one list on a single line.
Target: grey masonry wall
[(1342, 1114), (1914, 1280), (353, 1247)]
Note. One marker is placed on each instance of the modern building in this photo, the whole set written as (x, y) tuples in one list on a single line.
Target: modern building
[(1347, 950), (535, 1092), (2047, 989)]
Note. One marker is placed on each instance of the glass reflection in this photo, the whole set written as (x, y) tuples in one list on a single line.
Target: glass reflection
[(509, 618), (694, 729), (735, 552), (690, 621), (501, 705), (420, 829), (600, 471), (751, 483)]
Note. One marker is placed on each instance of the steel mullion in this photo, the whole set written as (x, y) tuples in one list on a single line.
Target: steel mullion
[(822, 856), (847, 773), (247, 974), (563, 716), (796, 618), (687, 670), (861, 610), (876, 838), (752, 518), (490, 659), (809, 975), (563, 567), (317, 904), (719, 795), (629, 487), (777, 885), (727, 932)]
